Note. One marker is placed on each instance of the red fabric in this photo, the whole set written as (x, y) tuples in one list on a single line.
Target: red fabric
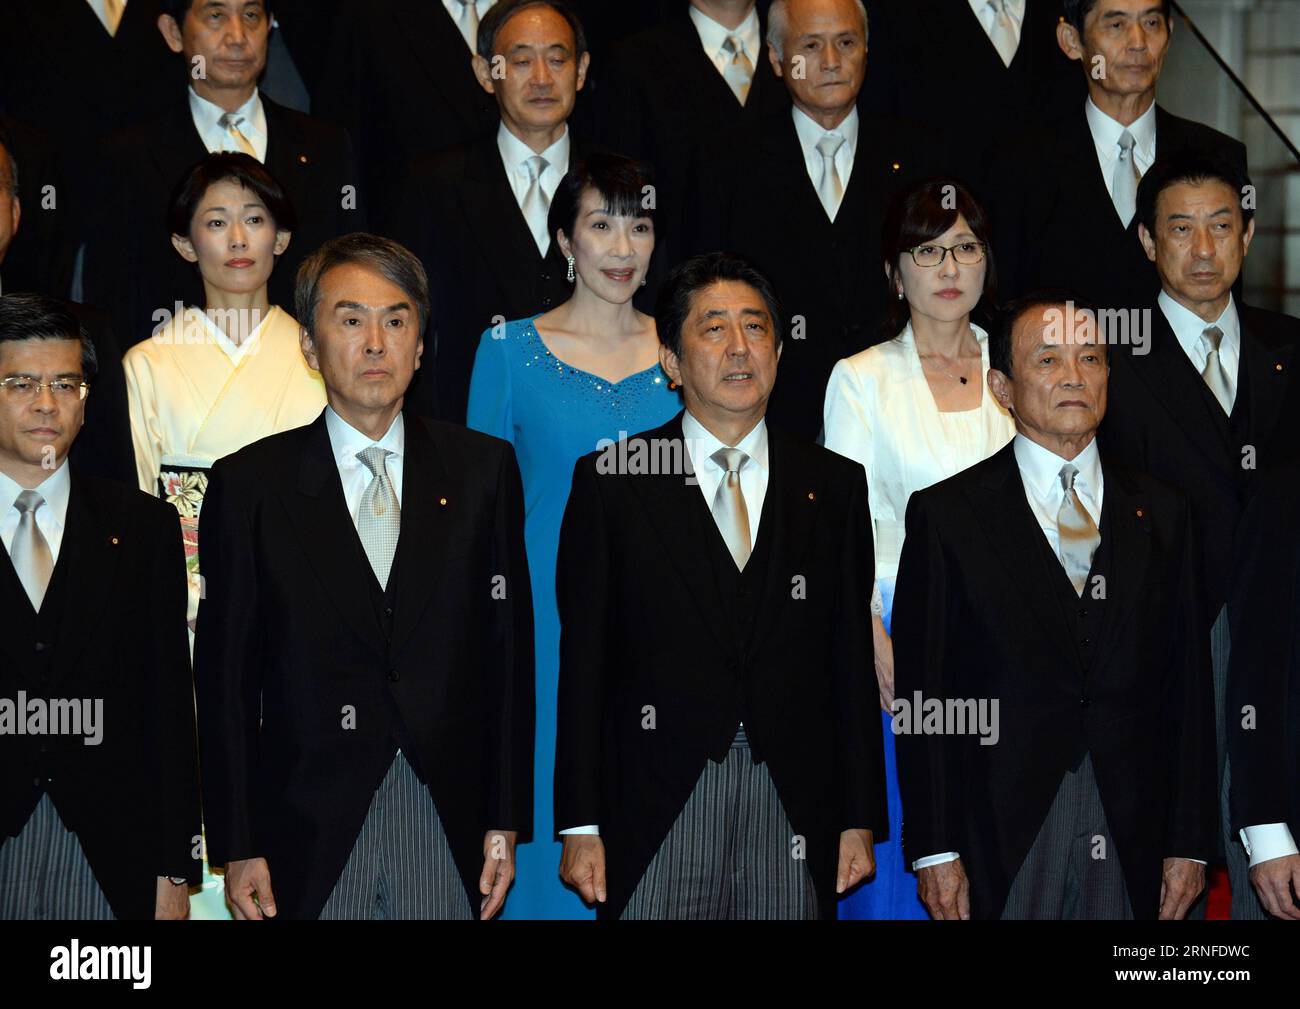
[(1220, 899)]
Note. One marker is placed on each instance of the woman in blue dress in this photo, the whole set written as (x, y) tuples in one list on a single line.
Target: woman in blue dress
[(554, 386)]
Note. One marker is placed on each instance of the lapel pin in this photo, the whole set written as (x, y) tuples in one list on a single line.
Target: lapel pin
[(812, 496), (302, 159), (114, 541), (1278, 366), (897, 166), (1140, 513), (442, 501)]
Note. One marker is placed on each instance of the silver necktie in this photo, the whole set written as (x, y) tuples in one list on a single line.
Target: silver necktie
[(1077, 533), (830, 190), (230, 123), (1002, 29), (468, 23), (30, 552), (739, 71), (1126, 179), (1215, 375), (729, 510), (379, 518), (535, 205)]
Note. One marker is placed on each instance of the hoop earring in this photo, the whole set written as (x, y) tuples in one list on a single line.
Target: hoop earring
[(570, 275)]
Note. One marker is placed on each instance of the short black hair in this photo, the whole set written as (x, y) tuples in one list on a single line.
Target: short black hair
[(1000, 335), (1077, 11), (620, 181), (503, 10), (25, 316), (179, 8), (390, 260), (228, 166), (1194, 168), (673, 305)]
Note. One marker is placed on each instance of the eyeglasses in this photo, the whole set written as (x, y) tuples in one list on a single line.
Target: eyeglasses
[(965, 254), (22, 389)]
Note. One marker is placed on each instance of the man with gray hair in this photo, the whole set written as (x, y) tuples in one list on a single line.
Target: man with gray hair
[(364, 649)]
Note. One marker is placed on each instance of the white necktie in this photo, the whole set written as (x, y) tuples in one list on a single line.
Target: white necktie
[(1001, 27), (1126, 179), (229, 122), (467, 22), (830, 190), (1214, 373), (29, 551), (739, 71), (729, 510), (535, 204), (379, 518), (113, 11)]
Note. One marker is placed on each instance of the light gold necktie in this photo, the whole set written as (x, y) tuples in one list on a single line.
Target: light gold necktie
[(468, 23), (830, 190), (1077, 533), (379, 518), (1215, 375), (1002, 30), (29, 551), (739, 71), (729, 510), (230, 123), (113, 11)]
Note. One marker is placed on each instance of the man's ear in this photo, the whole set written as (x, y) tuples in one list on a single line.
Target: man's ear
[(185, 247), (583, 65), (419, 352), (778, 67), (1068, 39), (483, 71), (1000, 386), (1247, 237), (670, 364), (171, 33), (1148, 242), (16, 212), (308, 346)]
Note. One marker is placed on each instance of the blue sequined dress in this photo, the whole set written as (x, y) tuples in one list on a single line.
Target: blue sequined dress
[(553, 414)]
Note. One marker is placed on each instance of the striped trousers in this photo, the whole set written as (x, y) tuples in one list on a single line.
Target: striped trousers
[(400, 866), (44, 874), (731, 855)]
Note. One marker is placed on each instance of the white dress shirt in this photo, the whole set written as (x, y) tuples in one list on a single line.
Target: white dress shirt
[(455, 7), (988, 16), (1040, 471), (713, 35), (700, 444), (101, 11), (1188, 327), (50, 517), (207, 116), (346, 441), (1106, 133), (514, 158), (810, 134)]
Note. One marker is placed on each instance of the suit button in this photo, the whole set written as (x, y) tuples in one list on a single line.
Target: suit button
[(1083, 613), (40, 646), (1086, 642), (546, 301), (394, 675), (1085, 702), (388, 611), (546, 278)]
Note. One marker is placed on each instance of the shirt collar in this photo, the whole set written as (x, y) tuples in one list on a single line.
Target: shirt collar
[(1041, 468), (1188, 326), (712, 34), (704, 442), (1106, 131), (810, 132), (347, 441), (1015, 7), (55, 489), (514, 152)]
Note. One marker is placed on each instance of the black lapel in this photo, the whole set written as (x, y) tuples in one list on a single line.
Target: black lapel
[(319, 515), (93, 541), (784, 155), (174, 143), (17, 612), (877, 166), (494, 219), (1126, 519), (431, 34), (428, 499), (711, 100), (1268, 374), (1081, 185), (286, 153), (1000, 504)]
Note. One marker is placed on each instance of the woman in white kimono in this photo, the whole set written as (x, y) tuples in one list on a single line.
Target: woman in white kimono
[(915, 410), (213, 380)]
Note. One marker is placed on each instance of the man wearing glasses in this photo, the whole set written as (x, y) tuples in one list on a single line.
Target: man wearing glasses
[(99, 808)]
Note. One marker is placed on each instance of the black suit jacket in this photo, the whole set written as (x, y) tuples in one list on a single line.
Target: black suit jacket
[(1054, 224), (827, 274), (40, 255), (131, 266), (111, 627), (643, 623), (104, 447), (288, 632), (1263, 603), (976, 616), (1162, 419), (459, 215)]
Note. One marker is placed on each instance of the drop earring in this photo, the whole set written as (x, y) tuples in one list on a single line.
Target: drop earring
[(570, 275)]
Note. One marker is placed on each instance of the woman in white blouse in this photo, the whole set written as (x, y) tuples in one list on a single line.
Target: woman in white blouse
[(915, 410)]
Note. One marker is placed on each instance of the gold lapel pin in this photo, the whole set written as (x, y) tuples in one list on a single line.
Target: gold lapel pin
[(812, 496), (442, 501), (114, 540), (302, 159), (1278, 366), (1140, 513)]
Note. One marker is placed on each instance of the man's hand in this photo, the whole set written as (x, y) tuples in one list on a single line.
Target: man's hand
[(883, 650), (248, 889), (498, 870), (171, 903), (1183, 882), (583, 866), (1277, 882), (857, 858), (945, 891)]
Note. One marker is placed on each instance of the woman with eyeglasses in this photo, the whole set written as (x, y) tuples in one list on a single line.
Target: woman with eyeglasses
[(915, 410)]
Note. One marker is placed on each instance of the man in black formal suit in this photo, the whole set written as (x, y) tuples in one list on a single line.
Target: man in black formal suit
[(718, 749), (105, 449), (1063, 195), (364, 649), (99, 796), (41, 258), (476, 216), (806, 194), (1060, 591), (1201, 402), (1264, 690), (131, 266)]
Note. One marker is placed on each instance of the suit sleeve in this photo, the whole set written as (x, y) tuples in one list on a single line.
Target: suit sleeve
[(510, 798), (1189, 716), (173, 749), (228, 671), (861, 748), (1262, 608), (582, 583), (929, 768)]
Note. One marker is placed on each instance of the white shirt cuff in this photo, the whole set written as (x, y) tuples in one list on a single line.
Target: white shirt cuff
[(939, 859), (1268, 841), (590, 828)]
